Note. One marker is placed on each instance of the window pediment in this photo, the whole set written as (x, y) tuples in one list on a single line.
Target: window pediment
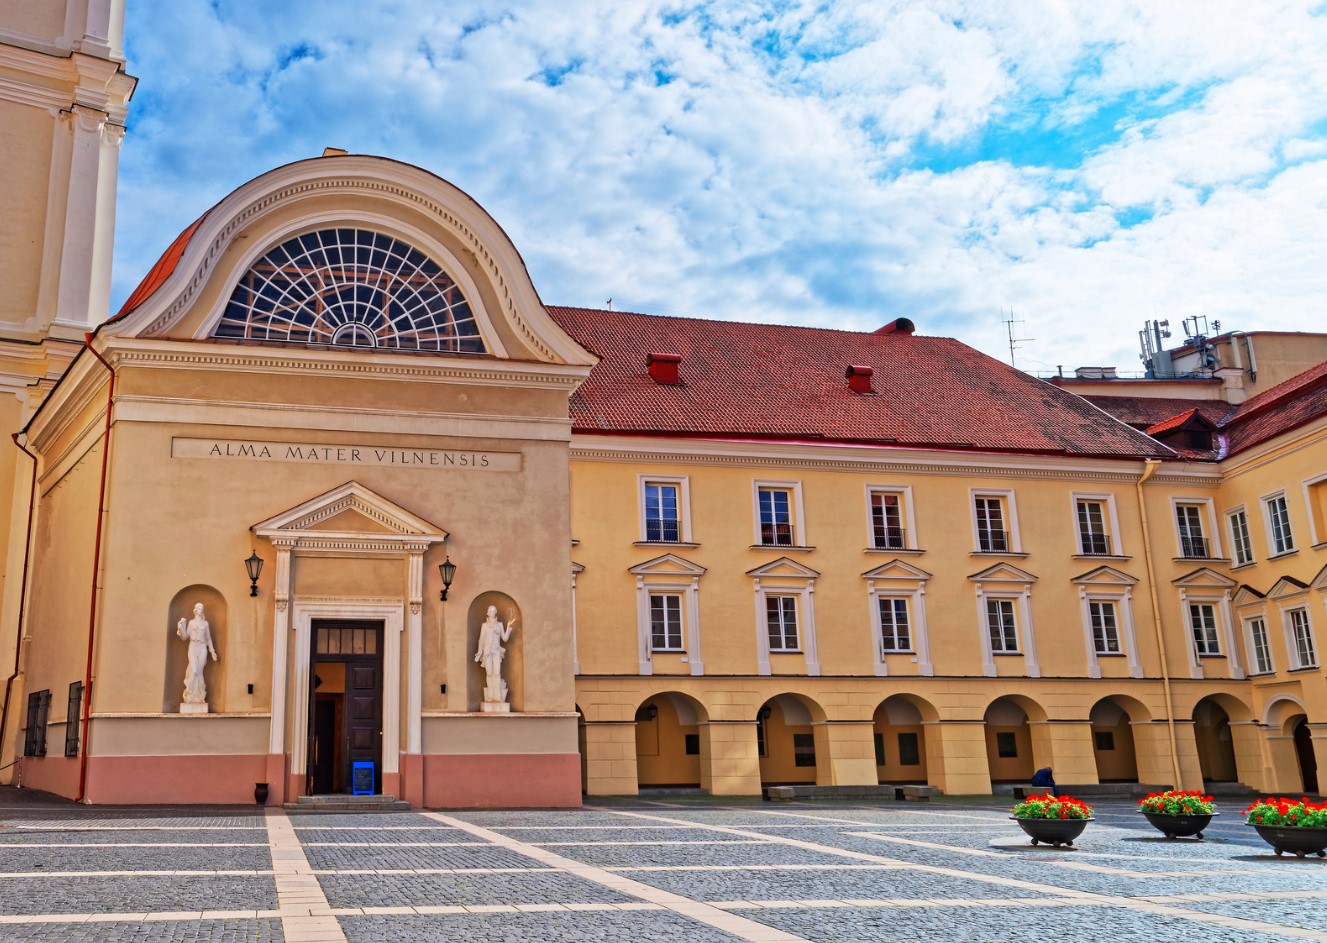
[(1287, 586), (897, 570), (1247, 596), (670, 564), (1205, 576), (785, 567), (1105, 576), (362, 518), (1003, 573)]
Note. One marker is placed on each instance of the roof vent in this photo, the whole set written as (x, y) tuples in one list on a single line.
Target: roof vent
[(859, 379), (898, 326), (663, 368)]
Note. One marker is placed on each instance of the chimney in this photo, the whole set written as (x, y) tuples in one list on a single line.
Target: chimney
[(663, 368), (898, 326), (859, 379)]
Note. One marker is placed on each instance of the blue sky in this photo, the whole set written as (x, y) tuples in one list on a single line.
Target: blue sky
[(1086, 166)]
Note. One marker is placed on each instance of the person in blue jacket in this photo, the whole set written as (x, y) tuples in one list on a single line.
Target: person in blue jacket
[(1044, 779)]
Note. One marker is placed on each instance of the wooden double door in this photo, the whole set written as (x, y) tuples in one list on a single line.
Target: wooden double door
[(345, 710)]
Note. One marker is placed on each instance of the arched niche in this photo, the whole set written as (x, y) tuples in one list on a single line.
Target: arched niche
[(177, 649), (513, 663)]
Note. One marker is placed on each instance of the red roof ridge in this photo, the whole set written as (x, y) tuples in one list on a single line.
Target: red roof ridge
[(755, 324), (161, 271), (1274, 396), (1178, 419)]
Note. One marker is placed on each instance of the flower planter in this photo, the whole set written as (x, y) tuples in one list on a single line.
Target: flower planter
[(1294, 840), (1180, 826), (1054, 832)]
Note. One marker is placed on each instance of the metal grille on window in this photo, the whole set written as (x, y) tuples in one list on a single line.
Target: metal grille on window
[(887, 521), (34, 734), (666, 623), (661, 520), (1105, 628), (894, 636), (776, 528), (1202, 618), (1092, 528), (781, 616), (72, 717), (1000, 622), (351, 288), (345, 640), (1193, 545)]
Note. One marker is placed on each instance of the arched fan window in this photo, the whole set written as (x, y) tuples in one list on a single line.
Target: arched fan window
[(351, 288)]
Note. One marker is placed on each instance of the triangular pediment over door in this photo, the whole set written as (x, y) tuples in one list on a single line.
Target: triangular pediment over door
[(350, 518)]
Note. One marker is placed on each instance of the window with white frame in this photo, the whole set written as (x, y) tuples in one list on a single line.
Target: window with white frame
[(895, 632), (1189, 522), (778, 508), (1104, 617), (1279, 538), (1240, 545), (666, 622), (1093, 517), (1001, 625), (781, 622), (1261, 650), (992, 518), (1300, 638), (888, 520), (664, 510), (1202, 622)]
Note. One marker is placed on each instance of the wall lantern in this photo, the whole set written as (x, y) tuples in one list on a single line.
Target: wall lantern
[(447, 570), (650, 712), (254, 567)]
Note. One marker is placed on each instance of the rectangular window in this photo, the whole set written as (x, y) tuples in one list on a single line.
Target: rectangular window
[(662, 521), (880, 749), (1105, 627), (1302, 637), (665, 622), (692, 744), (1093, 537), (1262, 652), (1239, 537), (894, 634), (1202, 620), (804, 749), (909, 753), (887, 531), (1105, 740), (73, 713), (1001, 625), (1278, 525), (781, 619), (992, 531), (1189, 520), (1006, 745), (34, 734), (776, 520)]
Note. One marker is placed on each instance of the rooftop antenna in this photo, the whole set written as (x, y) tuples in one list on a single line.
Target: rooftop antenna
[(609, 302), (1014, 342)]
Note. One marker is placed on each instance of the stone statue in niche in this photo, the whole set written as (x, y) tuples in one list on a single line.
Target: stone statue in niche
[(198, 634), (490, 654)]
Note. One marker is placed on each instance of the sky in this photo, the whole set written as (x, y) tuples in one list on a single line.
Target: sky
[(1077, 167)]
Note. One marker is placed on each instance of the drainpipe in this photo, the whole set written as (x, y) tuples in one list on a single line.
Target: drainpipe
[(96, 562), (22, 594), (1149, 469)]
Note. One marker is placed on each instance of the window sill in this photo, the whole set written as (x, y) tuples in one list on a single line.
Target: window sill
[(1201, 559), (1216, 655), (911, 550), (997, 553), (898, 651), (1110, 654), (785, 651), (1101, 556), (797, 549), (1006, 654), (665, 543), (1284, 553), (1262, 674), (1241, 566), (1320, 545), (1294, 671)]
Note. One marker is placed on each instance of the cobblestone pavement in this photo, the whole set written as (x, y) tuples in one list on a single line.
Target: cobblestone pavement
[(639, 871)]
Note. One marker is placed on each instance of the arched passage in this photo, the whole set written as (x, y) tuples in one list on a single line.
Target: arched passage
[(787, 740), (1308, 762), (668, 741), (1009, 747), (580, 747), (900, 739), (1216, 742), (1112, 738)]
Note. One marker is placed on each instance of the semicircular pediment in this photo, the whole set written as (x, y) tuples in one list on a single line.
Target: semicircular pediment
[(351, 288)]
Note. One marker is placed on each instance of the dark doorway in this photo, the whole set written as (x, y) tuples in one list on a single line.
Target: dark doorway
[(1308, 763), (345, 713)]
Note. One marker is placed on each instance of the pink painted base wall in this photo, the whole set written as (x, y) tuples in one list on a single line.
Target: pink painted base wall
[(493, 780), (53, 774), (189, 780)]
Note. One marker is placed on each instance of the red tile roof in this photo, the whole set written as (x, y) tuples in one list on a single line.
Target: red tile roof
[(1144, 411), (1174, 422), (767, 381), (158, 274), (1280, 409)]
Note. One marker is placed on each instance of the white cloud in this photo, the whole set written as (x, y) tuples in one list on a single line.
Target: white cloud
[(827, 164)]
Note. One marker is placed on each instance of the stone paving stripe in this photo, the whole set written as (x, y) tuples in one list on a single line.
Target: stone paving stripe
[(650, 844), (435, 870), (957, 849), (738, 926), (758, 867), (133, 874), (1045, 889), (168, 844), (395, 844), (61, 826), (306, 916)]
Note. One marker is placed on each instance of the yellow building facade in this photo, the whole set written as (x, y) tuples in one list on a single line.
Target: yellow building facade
[(260, 525)]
